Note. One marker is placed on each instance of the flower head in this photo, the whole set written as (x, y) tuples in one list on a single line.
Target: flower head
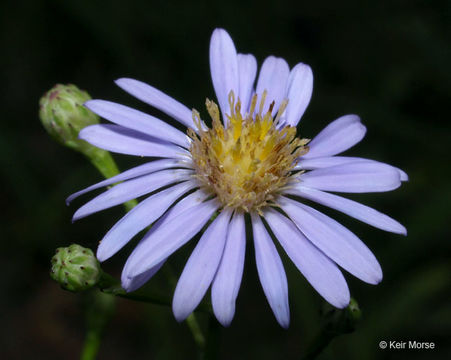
[(247, 163), (75, 268), (63, 115), (251, 161)]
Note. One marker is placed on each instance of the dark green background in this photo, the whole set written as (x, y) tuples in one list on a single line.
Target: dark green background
[(388, 61)]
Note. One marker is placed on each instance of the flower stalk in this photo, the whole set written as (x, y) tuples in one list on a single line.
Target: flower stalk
[(336, 322), (63, 115), (110, 285), (99, 310)]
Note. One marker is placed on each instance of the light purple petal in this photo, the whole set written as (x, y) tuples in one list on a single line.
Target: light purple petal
[(134, 283), (318, 269), (130, 282), (355, 177), (273, 78), (121, 140), (138, 218), (161, 241), (201, 267), (223, 68), (328, 161), (131, 189), (271, 272), (351, 208), (129, 174), (334, 240), (299, 93), (247, 68), (228, 278), (158, 99), (403, 174), (137, 120), (338, 136), (183, 205)]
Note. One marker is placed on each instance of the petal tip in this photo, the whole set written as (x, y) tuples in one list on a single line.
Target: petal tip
[(363, 129), (89, 103), (78, 215), (220, 32), (82, 134), (179, 314), (224, 321), (100, 254), (119, 81), (376, 279), (402, 230), (342, 304), (220, 35), (355, 117), (403, 175), (342, 300), (285, 323), (303, 67), (124, 82), (125, 284)]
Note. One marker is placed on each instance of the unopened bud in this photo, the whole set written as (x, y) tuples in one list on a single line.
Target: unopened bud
[(75, 268), (341, 321), (354, 313), (63, 115)]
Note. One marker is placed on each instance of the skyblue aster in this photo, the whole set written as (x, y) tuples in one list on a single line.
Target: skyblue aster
[(250, 162)]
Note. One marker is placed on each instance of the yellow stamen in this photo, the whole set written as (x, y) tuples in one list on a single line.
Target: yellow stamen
[(249, 162)]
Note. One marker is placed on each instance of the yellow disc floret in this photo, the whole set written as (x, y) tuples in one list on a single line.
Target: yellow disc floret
[(248, 162)]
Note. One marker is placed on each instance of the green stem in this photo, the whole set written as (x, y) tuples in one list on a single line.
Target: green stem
[(110, 285), (196, 331), (100, 308), (91, 345), (213, 340), (336, 322), (191, 320), (104, 162)]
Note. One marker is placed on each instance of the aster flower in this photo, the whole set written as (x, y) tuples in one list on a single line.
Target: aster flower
[(250, 161)]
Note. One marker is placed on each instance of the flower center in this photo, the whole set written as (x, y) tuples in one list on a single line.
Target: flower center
[(248, 162)]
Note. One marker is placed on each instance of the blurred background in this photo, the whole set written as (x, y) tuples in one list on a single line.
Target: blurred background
[(387, 61)]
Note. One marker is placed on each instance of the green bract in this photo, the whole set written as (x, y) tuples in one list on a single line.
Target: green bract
[(63, 115), (75, 268)]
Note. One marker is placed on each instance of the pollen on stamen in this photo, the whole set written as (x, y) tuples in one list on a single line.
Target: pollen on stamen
[(248, 162)]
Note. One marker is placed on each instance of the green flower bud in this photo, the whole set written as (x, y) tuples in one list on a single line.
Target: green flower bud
[(341, 321), (63, 115), (335, 322), (354, 314), (75, 268)]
